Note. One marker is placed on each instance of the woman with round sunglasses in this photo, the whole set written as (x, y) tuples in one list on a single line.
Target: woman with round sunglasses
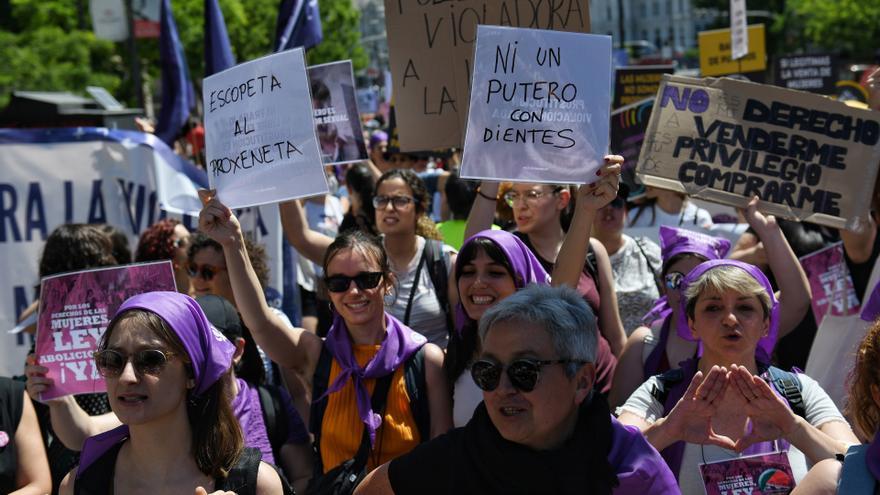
[(167, 372), (662, 344), (541, 427), (727, 403), (365, 344), (408, 236)]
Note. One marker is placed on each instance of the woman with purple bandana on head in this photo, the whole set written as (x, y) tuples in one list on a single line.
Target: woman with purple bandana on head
[(721, 405), (662, 344), (167, 372)]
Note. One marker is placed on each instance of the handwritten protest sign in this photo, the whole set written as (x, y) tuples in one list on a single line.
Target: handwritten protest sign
[(628, 126), (632, 84), (259, 135), (716, 57), (540, 106), (815, 73), (431, 57), (830, 282), (75, 309), (337, 120), (807, 157)]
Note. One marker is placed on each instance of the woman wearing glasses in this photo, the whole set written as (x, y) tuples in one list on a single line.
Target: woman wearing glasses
[(542, 215), (422, 264), (364, 347), (727, 404), (167, 376), (663, 344)]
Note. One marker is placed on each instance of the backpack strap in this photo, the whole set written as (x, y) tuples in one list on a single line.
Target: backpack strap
[(417, 390), (638, 241), (320, 382), (242, 478), (415, 285), (789, 385), (377, 403), (591, 265), (274, 417), (439, 272), (668, 381)]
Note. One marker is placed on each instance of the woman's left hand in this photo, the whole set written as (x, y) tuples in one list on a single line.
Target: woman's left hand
[(757, 220), (770, 418), (598, 194)]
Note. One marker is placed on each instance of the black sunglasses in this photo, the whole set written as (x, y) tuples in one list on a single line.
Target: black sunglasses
[(363, 280), (110, 363), (207, 272), (673, 280), (523, 373)]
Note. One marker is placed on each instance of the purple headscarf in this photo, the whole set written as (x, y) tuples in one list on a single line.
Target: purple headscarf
[(400, 344), (766, 344), (526, 267), (209, 352), (675, 241), (377, 137)]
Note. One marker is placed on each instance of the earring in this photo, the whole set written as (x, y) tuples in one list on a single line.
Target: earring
[(389, 303)]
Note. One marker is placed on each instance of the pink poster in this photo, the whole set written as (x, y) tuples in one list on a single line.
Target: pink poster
[(763, 474), (830, 282), (75, 309)]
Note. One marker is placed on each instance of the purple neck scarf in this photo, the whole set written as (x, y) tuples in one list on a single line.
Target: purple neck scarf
[(526, 267), (209, 352), (675, 241), (400, 344), (766, 344)]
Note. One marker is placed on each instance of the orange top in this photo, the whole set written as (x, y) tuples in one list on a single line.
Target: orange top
[(342, 428)]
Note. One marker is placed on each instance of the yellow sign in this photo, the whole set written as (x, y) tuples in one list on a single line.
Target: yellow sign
[(715, 53)]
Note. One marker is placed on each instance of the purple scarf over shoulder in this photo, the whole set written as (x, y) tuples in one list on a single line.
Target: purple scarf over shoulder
[(526, 267), (209, 352), (400, 343)]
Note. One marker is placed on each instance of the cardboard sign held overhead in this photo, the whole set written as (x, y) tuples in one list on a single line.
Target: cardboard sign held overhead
[(628, 126), (337, 120), (635, 83), (539, 109), (807, 157), (716, 57), (260, 140), (431, 56)]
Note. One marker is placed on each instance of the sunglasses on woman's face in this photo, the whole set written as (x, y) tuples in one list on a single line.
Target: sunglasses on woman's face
[(363, 280), (522, 373), (207, 272), (673, 280), (110, 363)]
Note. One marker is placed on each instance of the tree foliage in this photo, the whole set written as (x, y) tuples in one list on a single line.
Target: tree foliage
[(851, 27)]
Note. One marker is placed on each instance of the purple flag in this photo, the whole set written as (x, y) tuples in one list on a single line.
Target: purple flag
[(218, 52), (177, 91), (299, 25)]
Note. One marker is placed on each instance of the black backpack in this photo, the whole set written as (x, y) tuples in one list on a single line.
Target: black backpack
[(274, 417), (432, 257)]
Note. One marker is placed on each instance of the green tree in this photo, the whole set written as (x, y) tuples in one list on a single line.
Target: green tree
[(851, 27), (340, 21)]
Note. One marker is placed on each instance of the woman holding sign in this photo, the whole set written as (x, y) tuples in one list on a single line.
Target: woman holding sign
[(366, 350), (541, 212), (726, 409)]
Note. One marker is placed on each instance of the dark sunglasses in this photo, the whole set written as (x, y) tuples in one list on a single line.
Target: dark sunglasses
[(673, 280), (398, 202), (363, 280), (207, 272), (523, 373), (110, 363)]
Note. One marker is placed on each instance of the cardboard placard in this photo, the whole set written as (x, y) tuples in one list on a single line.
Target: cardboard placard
[(337, 120), (716, 56), (539, 108), (763, 473), (260, 140), (831, 283), (635, 83), (807, 157), (431, 53), (814, 73), (75, 309), (628, 126)]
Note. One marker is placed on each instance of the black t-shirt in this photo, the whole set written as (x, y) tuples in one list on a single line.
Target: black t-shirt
[(408, 475), (861, 272), (11, 406)]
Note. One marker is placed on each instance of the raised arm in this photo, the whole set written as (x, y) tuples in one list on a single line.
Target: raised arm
[(483, 210), (858, 245), (794, 288), (306, 241), (32, 476), (609, 314), (293, 348)]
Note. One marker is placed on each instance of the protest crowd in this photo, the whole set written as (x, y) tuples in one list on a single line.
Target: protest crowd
[(491, 315)]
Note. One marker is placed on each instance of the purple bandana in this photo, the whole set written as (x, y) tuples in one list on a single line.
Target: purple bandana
[(872, 456), (400, 344), (526, 267), (766, 344), (209, 352), (675, 241)]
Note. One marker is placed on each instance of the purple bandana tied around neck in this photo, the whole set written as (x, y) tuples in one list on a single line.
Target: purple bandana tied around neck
[(872, 457), (675, 241), (526, 267), (400, 344), (766, 344), (209, 352)]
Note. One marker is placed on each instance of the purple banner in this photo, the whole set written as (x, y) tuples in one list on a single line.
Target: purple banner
[(831, 283), (75, 309)]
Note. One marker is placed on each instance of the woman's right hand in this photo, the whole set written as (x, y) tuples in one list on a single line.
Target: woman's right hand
[(37, 381), (595, 196), (691, 418), (217, 221)]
